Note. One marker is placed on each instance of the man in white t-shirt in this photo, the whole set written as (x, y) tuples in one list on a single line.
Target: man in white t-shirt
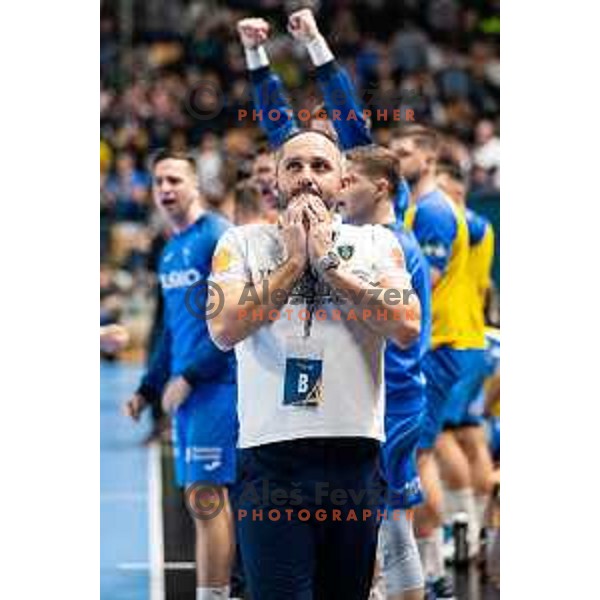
[(308, 304)]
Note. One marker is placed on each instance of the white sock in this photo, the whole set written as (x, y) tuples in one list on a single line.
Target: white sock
[(456, 501), (438, 553), (431, 552), (481, 504), (463, 500), (214, 593), (424, 546)]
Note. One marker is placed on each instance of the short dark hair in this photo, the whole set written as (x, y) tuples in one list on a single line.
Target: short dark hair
[(376, 162), (451, 169), (448, 160), (261, 150), (166, 154), (248, 198), (424, 137)]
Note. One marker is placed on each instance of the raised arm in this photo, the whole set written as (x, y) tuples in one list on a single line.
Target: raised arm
[(341, 103), (154, 380), (267, 88)]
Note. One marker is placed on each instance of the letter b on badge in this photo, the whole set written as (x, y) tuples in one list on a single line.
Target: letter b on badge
[(302, 383)]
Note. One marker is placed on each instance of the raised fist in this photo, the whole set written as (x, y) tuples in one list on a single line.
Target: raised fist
[(302, 25), (253, 32)]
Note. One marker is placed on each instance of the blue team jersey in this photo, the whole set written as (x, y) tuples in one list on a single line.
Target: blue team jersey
[(403, 375), (185, 261), (205, 425), (442, 233), (402, 200), (477, 226)]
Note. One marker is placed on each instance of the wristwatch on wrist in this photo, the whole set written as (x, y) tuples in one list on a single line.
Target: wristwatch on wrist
[(327, 262)]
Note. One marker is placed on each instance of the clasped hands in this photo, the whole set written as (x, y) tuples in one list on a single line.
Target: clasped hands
[(307, 231)]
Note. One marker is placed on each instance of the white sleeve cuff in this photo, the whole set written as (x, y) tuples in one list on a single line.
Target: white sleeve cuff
[(319, 51), (256, 58)]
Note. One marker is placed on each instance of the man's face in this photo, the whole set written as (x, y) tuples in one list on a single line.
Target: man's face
[(174, 187), (309, 165), (124, 164), (358, 199), (413, 160), (264, 176), (484, 132)]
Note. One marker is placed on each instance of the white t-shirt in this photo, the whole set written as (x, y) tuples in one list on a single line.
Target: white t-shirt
[(347, 356)]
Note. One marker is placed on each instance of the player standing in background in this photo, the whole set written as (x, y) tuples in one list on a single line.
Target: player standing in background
[(195, 379), (263, 176), (464, 416), (271, 103), (368, 198), (249, 204), (442, 233), (340, 98), (351, 127), (311, 415)]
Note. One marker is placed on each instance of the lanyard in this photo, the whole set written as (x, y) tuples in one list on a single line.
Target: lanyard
[(310, 281)]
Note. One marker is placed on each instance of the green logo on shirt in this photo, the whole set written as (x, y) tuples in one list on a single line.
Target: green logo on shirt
[(346, 252)]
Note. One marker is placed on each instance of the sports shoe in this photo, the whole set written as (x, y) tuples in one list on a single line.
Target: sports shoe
[(442, 588)]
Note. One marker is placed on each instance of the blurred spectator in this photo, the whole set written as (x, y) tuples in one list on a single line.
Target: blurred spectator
[(409, 50), (126, 190), (111, 300), (210, 164), (486, 153), (106, 157)]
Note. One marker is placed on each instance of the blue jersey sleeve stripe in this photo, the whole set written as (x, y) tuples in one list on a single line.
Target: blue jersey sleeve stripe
[(269, 95), (158, 371), (338, 92)]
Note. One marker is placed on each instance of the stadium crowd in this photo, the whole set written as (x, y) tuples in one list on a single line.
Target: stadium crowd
[(179, 62)]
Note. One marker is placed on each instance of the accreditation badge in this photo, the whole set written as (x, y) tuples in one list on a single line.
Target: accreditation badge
[(303, 378)]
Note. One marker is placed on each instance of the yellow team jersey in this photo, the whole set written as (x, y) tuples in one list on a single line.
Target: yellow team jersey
[(479, 266), (441, 230)]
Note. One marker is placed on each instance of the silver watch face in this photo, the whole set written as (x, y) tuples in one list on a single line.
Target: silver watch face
[(334, 258), (329, 261)]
